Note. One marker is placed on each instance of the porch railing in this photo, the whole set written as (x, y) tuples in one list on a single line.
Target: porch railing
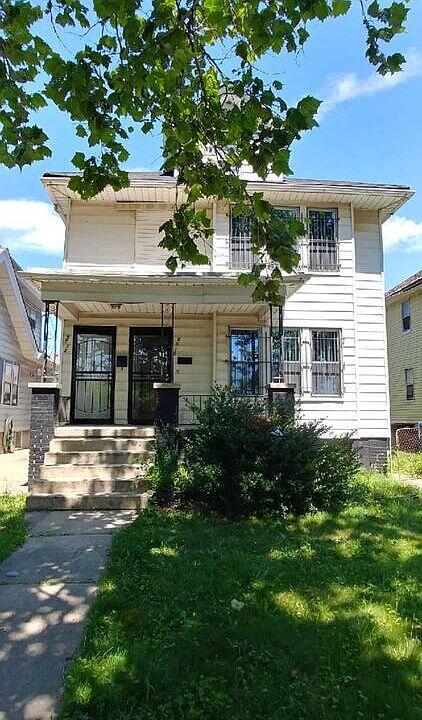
[(188, 407)]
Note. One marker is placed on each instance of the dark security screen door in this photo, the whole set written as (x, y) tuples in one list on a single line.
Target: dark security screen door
[(150, 362), (93, 375)]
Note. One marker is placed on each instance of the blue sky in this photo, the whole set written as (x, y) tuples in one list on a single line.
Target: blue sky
[(370, 130)]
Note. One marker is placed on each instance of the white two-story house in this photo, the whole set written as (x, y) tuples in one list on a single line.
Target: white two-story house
[(128, 322)]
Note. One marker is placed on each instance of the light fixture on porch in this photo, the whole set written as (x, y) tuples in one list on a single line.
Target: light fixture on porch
[(116, 306)]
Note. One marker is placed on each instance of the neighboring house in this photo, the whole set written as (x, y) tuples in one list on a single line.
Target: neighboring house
[(20, 340), (404, 333), (128, 322)]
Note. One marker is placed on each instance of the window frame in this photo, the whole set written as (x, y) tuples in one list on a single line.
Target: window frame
[(406, 319), (296, 336), (409, 385), (13, 382), (323, 243), (339, 362), (256, 361)]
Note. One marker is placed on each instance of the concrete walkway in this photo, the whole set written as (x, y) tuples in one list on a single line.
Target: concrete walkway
[(46, 587), (14, 472), (408, 480)]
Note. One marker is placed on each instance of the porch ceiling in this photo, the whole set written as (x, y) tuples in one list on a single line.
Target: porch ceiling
[(82, 309)]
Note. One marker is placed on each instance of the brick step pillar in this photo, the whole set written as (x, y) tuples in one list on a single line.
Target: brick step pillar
[(44, 410)]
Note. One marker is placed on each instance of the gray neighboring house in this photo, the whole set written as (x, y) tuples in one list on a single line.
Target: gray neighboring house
[(20, 342)]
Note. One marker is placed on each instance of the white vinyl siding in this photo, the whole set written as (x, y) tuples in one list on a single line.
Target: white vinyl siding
[(10, 353), (371, 347), (100, 235), (348, 301)]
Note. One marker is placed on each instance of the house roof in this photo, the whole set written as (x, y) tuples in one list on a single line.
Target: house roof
[(404, 286), (12, 293), (161, 187)]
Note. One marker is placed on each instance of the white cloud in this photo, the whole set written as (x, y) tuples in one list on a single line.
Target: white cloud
[(400, 233), (349, 86), (31, 225)]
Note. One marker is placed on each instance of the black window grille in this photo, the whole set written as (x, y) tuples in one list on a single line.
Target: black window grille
[(326, 362), (410, 388), (245, 362), (240, 242), (405, 315), (323, 240), (290, 368)]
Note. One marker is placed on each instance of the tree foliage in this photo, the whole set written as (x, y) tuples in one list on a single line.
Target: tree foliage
[(191, 66)]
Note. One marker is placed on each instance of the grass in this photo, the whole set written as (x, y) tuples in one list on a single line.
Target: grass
[(12, 523), (407, 463), (328, 629)]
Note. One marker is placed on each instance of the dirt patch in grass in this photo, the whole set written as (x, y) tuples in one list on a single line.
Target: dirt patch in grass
[(324, 623)]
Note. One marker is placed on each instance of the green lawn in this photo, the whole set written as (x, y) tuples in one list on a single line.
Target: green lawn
[(12, 523), (328, 629)]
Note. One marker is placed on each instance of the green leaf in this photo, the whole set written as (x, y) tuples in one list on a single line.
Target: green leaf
[(341, 7)]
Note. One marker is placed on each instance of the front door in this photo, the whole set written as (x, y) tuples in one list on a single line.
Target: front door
[(150, 355), (92, 398)]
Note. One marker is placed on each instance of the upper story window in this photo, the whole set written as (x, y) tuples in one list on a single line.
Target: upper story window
[(326, 362), (241, 253), (323, 240), (410, 388), (405, 315)]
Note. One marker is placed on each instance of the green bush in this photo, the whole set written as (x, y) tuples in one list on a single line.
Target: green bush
[(243, 461), (161, 475)]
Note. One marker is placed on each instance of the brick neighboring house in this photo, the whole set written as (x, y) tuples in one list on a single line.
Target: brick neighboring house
[(20, 340), (132, 330), (404, 334)]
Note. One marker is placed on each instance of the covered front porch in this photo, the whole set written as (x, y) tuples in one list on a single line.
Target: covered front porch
[(121, 336)]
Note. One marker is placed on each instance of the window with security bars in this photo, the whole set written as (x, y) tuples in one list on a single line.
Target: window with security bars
[(405, 315), (326, 362), (241, 254), (410, 388), (322, 240), (290, 368)]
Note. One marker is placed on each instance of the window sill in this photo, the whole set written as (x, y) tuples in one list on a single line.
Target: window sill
[(325, 398), (324, 273)]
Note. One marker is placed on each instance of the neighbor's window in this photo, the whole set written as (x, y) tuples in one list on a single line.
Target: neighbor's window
[(326, 362), (405, 315), (410, 388), (10, 384), (35, 323), (244, 361)]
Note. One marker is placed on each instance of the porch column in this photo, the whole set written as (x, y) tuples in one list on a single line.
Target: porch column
[(44, 409)]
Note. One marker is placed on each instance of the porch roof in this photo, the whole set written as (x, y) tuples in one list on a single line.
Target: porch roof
[(81, 293)]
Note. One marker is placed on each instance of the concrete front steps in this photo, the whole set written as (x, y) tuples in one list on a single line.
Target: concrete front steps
[(94, 468)]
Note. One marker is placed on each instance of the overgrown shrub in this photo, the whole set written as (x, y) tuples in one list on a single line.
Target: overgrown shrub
[(408, 463), (161, 475), (242, 460)]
